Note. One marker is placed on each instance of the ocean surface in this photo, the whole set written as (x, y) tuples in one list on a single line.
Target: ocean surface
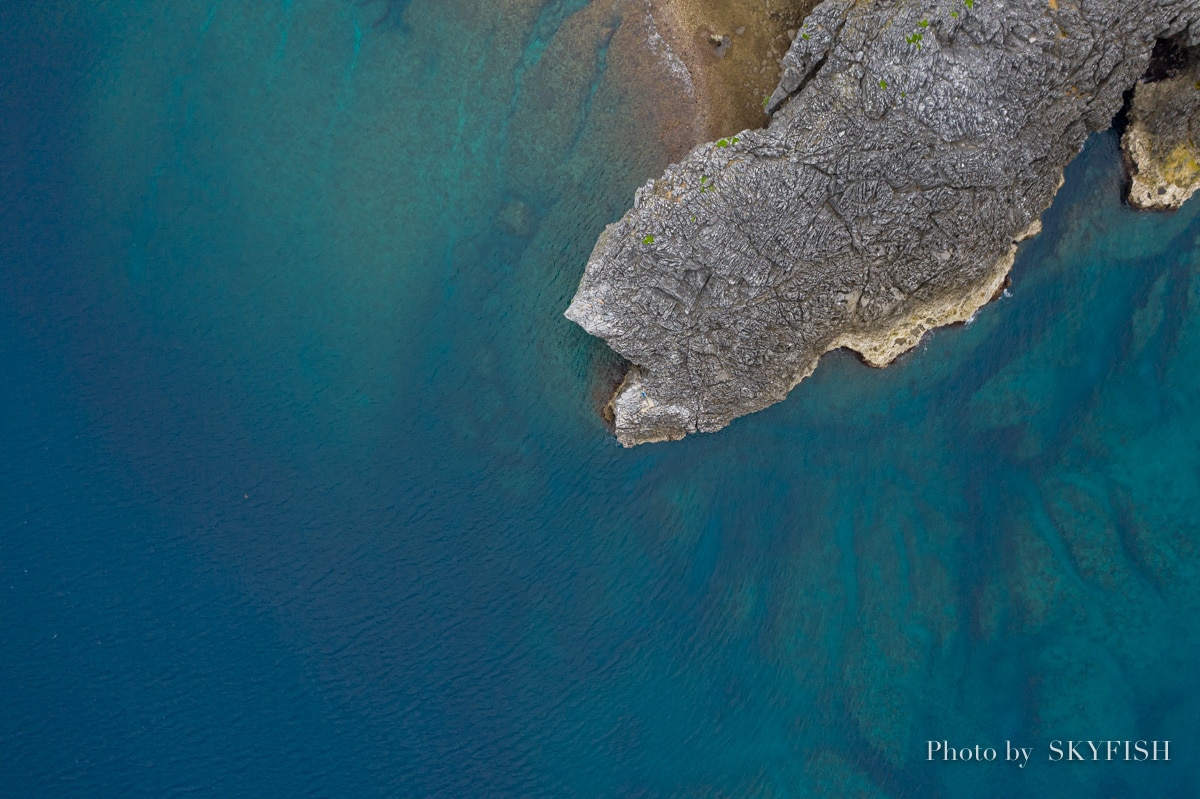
[(304, 489)]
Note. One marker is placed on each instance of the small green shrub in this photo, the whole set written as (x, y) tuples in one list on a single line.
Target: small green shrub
[(647, 240)]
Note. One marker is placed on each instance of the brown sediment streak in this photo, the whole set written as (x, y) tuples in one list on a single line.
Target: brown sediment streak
[(728, 80), (696, 90)]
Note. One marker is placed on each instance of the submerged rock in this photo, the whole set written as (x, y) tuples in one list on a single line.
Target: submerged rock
[(912, 146)]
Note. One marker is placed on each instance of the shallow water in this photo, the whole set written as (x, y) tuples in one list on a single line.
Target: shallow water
[(305, 492)]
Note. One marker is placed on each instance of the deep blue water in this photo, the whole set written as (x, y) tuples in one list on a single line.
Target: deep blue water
[(304, 491)]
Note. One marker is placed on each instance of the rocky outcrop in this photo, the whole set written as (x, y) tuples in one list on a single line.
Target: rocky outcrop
[(913, 144), (1162, 142)]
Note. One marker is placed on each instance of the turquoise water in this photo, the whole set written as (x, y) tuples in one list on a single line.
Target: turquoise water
[(305, 490)]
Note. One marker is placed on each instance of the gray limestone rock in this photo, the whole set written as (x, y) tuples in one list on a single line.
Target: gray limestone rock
[(912, 145)]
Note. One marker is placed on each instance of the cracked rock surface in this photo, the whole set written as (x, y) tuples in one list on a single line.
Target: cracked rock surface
[(912, 144)]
